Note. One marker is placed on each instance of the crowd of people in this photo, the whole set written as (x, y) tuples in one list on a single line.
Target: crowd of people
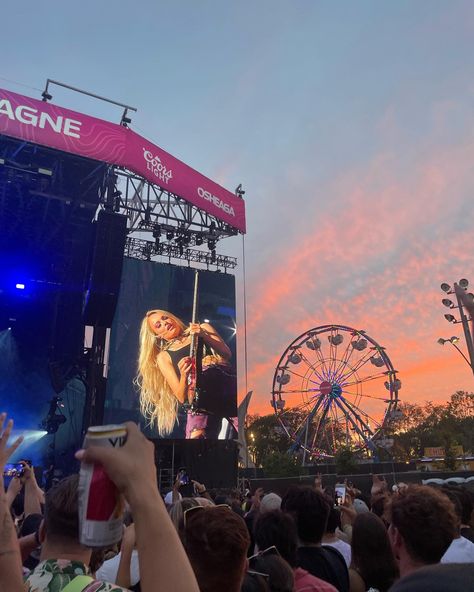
[(410, 538)]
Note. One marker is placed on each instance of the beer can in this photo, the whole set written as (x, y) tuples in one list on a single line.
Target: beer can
[(101, 506)]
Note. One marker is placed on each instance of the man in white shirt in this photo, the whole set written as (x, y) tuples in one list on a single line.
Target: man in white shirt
[(130, 573), (461, 550), (330, 538)]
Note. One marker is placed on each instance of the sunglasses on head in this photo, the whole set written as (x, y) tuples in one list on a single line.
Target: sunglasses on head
[(268, 551), (187, 513)]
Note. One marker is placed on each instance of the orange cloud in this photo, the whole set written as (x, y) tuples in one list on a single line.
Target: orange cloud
[(373, 259)]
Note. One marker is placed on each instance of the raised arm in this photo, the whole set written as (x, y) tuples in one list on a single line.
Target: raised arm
[(10, 560), (164, 566)]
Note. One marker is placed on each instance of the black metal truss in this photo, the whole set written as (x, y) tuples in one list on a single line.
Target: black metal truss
[(146, 250), (76, 190), (149, 206)]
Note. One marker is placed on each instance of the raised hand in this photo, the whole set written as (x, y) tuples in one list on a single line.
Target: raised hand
[(257, 498), (379, 486), (14, 488), (131, 477), (195, 329), (185, 365), (198, 487), (5, 450), (348, 512)]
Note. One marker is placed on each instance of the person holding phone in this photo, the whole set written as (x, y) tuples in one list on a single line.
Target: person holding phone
[(164, 367)]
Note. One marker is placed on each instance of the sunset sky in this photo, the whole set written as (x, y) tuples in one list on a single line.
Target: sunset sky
[(350, 126)]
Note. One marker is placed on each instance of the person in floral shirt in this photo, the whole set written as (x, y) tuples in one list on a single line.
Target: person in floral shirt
[(64, 561)]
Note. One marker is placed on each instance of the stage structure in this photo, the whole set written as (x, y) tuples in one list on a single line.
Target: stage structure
[(335, 387), (78, 193)]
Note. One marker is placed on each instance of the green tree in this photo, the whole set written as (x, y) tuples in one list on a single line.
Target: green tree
[(345, 461), (433, 425), (281, 464), (266, 435)]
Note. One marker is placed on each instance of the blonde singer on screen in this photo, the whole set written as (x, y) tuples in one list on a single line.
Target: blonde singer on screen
[(163, 369)]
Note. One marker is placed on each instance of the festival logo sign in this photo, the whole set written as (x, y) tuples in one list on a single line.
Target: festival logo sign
[(53, 126), (156, 166)]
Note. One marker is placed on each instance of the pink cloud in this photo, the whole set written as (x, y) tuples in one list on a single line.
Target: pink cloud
[(373, 260)]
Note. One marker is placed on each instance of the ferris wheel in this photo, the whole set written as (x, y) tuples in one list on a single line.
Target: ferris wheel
[(335, 387)]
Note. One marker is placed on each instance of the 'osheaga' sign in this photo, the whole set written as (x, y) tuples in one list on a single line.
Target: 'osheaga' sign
[(63, 129)]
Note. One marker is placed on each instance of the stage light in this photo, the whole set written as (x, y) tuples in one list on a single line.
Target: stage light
[(125, 121), (442, 341), (446, 287), (169, 234), (454, 339), (157, 231), (46, 96), (199, 240), (464, 283), (449, 317), (447, 302)]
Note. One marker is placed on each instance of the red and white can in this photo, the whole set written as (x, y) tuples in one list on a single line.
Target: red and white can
[(101, 506)]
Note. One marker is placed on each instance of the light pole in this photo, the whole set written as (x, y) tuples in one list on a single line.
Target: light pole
[(465, 302)]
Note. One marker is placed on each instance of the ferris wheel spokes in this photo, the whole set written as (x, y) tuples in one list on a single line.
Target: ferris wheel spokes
[(313, 368), (366, 379), (384, 399), (307, 421), (353, 369), (300, 375), (354, 420), (345, 360)]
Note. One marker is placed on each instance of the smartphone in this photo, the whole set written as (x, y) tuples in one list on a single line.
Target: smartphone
[(183, 477), (13, 470), (340, 493)]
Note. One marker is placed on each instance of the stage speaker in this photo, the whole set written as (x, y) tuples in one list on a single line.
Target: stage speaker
[(105, 269)]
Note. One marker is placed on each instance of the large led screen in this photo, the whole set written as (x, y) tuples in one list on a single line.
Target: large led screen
[(153, 378)]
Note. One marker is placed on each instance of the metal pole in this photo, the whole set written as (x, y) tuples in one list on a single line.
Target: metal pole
[(172, 465), (89, 94), (305, 441), (467, 333)]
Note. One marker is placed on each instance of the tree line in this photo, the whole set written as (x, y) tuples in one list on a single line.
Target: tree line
[(418, 426)]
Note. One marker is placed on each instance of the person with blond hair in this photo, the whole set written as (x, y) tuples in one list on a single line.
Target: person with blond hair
[(164, 366)]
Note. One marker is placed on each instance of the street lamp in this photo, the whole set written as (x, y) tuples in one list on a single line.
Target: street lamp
[(463, 300), (453, 341)]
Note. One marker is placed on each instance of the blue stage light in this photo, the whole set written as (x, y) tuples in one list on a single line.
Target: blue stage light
[(20, 286)]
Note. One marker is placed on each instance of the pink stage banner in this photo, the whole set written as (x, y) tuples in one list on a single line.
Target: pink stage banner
[(49, 125)]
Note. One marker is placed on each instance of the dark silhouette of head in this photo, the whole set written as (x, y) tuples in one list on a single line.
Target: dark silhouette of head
[(310, 510), (372, 555)]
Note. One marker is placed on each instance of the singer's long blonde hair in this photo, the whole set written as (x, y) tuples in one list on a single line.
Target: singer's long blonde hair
[(157, 401)]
